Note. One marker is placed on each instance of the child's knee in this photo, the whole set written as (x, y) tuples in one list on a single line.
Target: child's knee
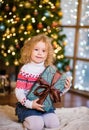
[(36, 124), (51, 121)]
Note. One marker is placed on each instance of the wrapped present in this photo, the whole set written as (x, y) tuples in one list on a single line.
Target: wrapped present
[(48, 87)]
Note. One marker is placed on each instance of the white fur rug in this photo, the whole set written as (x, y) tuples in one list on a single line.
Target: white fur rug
[(70, 118)]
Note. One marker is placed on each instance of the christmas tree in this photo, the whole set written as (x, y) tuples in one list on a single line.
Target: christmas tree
[(22, 19)]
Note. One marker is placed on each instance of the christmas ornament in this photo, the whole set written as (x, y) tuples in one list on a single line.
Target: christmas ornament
[(7, 63), (11, 48), (35, 12), (1, 18), (27, 4), (67, 68), (47, 13), (17, 19), (64, 43), (16, 62), (29, 27), (2, 46), (2, 27), (54, 24), (57, 4), (27, 16), (13, 29), (55, 36), (45, 1), (4, 54), (40, 25), (31, 1), (14, 9), (7, 8), (17, 46), (55, 45), (60, 13), (21, 27), (7, 31)]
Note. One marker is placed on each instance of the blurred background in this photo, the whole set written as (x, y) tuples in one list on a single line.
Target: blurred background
[(67, 22)]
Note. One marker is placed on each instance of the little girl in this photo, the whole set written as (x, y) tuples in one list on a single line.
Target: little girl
[(36, 55)]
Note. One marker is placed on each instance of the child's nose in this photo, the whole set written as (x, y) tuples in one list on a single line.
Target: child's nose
[(40, 52)]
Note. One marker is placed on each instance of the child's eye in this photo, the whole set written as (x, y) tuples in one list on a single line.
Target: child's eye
[(44, 50), (36, 49)]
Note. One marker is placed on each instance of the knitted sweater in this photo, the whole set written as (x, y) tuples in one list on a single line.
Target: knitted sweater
[(28, 74)]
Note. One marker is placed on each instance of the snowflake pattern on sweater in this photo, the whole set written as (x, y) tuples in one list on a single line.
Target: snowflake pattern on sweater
[(25, 80)]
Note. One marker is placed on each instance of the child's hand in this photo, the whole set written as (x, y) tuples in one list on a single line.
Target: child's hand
[(68, 82), (37, 106)]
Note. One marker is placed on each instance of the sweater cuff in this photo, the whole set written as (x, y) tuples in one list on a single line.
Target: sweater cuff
[(28, 104)]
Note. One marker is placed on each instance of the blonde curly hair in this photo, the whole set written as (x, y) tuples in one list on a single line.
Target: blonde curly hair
[(26, 50)]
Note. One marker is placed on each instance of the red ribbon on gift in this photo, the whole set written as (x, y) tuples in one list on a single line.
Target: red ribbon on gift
[(48, 89)]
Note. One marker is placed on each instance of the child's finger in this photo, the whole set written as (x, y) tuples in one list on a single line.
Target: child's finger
[(41, 109), (41, 106), (36, 99)]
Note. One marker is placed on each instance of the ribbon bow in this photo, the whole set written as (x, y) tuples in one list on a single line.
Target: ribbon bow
[(48, 89)]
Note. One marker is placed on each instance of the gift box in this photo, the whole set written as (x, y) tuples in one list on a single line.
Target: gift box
[(48, 88)]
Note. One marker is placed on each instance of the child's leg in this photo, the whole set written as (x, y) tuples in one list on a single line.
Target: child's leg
[(34, 123), (51, 120)]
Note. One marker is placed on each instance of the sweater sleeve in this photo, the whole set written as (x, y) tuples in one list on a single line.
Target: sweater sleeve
[(20, 90), (21, 97)]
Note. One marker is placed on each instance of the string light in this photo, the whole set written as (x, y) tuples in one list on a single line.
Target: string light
[(7, 63)]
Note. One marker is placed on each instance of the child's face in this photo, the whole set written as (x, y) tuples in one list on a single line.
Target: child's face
[(39, 52)]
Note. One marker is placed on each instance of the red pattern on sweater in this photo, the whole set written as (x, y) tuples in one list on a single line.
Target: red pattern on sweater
[(25, 80)]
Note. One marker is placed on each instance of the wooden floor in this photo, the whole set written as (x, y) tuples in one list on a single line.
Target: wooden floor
[(75, 100), (69, 100)]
